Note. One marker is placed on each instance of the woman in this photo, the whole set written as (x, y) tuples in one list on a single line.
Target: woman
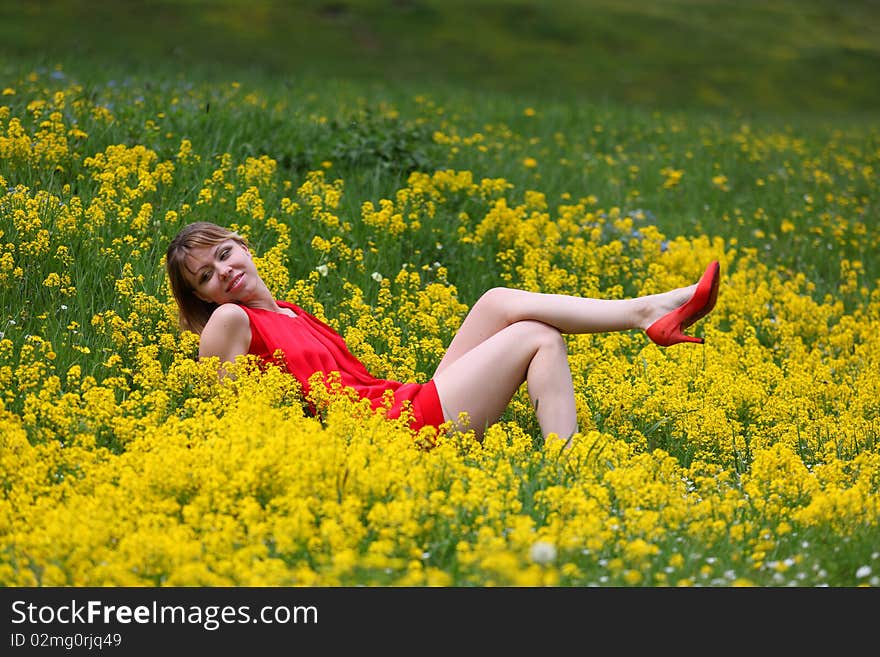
[(509, 336)]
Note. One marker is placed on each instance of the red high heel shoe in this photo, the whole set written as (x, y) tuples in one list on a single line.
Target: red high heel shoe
[(669, 329)]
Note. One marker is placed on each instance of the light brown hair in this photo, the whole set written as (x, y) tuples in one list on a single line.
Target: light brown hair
[(193, 313)]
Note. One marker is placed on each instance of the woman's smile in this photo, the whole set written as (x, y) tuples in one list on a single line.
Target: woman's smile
[(235, 281)]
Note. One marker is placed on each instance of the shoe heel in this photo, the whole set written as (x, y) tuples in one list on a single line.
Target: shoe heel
[(669, 329)]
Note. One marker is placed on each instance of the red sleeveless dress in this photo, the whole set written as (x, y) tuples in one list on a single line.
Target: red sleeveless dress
[(310, 346)]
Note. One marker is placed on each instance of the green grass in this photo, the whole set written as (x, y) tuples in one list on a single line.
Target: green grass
[(752, 56)]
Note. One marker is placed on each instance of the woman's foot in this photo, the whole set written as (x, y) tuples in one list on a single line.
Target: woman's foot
[(663, 303), (676, 310)]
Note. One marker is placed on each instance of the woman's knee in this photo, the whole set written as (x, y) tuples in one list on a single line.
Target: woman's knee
[(498, 302), (542, 336)]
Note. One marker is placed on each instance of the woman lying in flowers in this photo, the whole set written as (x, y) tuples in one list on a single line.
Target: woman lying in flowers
[(509, 336)]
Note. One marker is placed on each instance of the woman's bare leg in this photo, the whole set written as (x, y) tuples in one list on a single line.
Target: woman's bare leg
[(481, 382), (501, 307)]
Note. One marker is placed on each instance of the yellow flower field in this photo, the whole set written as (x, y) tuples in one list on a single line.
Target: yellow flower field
[(751, 460)]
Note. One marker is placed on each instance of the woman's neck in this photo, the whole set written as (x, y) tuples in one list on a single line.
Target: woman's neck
[(263, 300)]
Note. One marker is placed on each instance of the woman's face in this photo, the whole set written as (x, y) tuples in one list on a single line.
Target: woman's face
[(222, 273)]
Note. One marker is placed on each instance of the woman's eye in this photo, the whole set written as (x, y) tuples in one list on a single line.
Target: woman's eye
[(224, 253)]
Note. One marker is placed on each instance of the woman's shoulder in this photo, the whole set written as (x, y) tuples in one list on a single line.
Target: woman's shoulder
[(228, 319), (227, 333), (228, 312)]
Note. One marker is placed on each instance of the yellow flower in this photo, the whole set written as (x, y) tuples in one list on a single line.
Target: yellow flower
[(721, 182)]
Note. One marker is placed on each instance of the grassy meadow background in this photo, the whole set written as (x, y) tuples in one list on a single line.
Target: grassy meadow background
[(389, 161)]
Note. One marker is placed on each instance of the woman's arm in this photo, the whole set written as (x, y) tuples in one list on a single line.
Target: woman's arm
[(227, 334)]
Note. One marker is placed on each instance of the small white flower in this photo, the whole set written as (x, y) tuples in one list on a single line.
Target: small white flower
[(542, 552), (863, 572), (63, 307), (322, 269), (376, 276)]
